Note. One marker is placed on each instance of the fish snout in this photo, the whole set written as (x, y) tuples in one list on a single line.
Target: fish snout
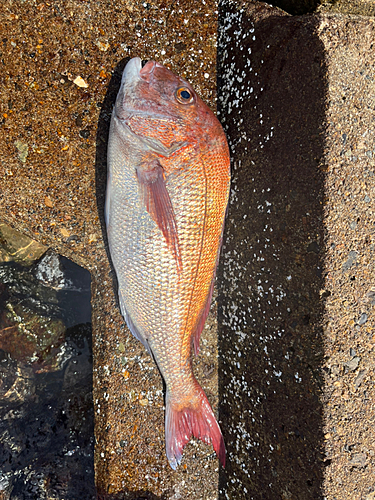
[(147, 71)]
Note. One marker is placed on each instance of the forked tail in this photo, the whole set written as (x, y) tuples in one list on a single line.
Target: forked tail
[(198, 420)]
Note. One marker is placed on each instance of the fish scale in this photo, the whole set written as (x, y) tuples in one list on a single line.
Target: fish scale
[(167, 193)]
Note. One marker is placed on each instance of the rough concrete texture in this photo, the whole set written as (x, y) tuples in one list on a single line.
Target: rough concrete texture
[(299, 7), (296, 289), (357, 7), (349, 216), (296, 280), (61, 67)]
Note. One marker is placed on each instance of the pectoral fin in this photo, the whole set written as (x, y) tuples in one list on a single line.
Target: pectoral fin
[(158, 204)]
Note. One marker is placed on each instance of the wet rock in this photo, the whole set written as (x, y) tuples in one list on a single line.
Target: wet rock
[(47, 437), (49, 271), (8, 372), (53, 287), (30, 338), (17, 247), (46, 408), (22, 388)]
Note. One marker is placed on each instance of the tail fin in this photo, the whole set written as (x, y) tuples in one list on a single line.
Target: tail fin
[(198, 421)]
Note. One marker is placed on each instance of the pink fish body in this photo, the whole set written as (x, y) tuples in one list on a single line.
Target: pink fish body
[(167, 193)]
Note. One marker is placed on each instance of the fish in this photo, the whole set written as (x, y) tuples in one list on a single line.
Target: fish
[(168, 180)]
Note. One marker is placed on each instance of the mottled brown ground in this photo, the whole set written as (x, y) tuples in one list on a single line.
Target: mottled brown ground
[(304, 427)]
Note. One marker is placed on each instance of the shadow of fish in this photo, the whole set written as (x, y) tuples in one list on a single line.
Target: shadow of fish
[(167, 193)]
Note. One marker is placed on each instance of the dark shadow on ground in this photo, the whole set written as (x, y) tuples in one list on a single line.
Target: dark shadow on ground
[(102, 143), (272, 94)]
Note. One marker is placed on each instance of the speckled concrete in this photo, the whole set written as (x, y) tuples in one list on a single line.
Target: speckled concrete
[(349, 216), (296, 287), (356, 7), (60, 75), (296, 279)]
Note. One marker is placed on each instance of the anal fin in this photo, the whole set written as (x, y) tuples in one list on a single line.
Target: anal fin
[(132, 326)]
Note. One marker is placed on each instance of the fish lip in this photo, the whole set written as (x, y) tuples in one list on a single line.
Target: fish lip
[(131, 71), (130, 78), (133, 74)]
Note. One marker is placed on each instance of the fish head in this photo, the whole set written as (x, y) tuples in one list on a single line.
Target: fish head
[(155, 103)]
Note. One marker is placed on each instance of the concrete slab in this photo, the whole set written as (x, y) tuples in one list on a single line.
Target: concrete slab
[(349, 215), (296, 286), (61, 67), (348, 7), (296, 281)]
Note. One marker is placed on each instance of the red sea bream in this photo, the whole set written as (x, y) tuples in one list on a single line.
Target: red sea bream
[(167, 193)]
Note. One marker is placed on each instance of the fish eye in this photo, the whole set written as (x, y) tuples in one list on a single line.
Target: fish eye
[(184, 95)]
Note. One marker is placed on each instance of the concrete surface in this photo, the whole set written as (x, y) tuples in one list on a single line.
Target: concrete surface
[(295, 288), (348, 7), (296, 281), (60, 75)]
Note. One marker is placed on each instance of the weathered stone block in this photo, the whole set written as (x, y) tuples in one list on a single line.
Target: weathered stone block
[(296, 290), (61, 69), (296, 283)]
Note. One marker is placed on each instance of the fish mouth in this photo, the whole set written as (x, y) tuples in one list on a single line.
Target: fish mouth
[(147, 71), (132, 71), (133, 76)]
